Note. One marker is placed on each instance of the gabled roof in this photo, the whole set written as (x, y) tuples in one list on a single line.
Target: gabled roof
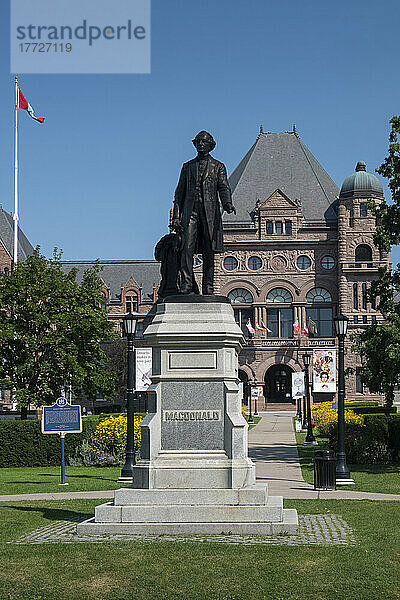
[(25, 248), (281, 160), (117, 273)]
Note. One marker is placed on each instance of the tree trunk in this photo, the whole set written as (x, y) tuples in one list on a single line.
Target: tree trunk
[(24, 413), (389, 397)]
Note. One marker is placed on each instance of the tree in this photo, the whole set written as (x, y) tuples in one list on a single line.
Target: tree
[(379, 344), (51, 327)]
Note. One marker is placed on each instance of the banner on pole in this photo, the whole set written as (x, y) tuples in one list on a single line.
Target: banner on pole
[(324, 371), (144, 357), (254, 392), (298, 385)]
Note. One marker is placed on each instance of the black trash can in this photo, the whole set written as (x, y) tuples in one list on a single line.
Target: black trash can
[(324, 470)]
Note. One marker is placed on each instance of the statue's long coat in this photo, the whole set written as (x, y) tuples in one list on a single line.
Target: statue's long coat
[(214, 183)]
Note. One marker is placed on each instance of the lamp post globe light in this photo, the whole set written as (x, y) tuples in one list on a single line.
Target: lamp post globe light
[(129, 328), (310, 439), (342, 470)]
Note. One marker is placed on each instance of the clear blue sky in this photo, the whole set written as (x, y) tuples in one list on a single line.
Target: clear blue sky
[(97, 180)]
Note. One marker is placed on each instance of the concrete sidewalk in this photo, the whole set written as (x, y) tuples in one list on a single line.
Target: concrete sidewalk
[(272, 445)]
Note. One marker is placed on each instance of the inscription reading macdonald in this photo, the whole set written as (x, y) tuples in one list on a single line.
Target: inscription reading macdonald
[(191, 415)]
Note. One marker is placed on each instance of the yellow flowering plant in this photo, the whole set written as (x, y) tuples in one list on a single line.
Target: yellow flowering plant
[(324, 416), (108, 442)]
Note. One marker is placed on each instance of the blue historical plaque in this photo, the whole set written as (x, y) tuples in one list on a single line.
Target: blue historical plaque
[(62, 417)]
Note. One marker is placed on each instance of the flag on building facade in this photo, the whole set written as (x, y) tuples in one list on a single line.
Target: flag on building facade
[(262, 327), (24, 105), (312, 326), (250, 327), (305, 329), (296, 327)]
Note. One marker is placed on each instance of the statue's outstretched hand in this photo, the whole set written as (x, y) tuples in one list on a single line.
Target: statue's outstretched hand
[(230, 209)]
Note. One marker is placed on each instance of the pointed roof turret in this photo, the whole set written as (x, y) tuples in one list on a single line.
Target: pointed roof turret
[(281, 160)]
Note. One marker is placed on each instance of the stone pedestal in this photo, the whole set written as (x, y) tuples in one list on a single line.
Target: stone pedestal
[(194, 475)]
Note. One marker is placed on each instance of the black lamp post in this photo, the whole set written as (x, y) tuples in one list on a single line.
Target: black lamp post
[(129, 324), (304, 421), (342, 471), (255, 411), (250, 419), (310, 439)]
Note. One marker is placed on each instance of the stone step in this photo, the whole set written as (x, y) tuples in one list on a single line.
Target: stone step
[(251, 495), (183, 513), (287, 525)]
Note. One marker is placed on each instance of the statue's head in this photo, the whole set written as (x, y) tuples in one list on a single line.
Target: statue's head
[(204, 142)]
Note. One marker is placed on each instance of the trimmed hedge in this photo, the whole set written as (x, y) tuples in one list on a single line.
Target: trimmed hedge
[(377, 441), (22, 443), (394, 436), (374, 410), (353, 405)]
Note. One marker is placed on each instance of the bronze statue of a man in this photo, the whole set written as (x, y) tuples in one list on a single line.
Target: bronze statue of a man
[(202, 185)]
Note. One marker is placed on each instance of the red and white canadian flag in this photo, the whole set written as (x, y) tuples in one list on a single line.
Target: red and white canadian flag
[(250, 327), (24, 104)]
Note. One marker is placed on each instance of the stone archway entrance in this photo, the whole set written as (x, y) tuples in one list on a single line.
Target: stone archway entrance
[(278, 384)]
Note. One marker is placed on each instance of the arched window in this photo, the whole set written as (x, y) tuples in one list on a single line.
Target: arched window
[(280, 295), (363, 254), (240, 296), (131, 303), (244, 317), (319, 320), (318, 295), (280, 320)]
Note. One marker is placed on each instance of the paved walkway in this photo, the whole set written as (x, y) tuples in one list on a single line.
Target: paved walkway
[(272, 446)]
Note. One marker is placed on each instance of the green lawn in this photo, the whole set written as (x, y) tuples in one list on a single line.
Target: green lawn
[(384, 479), (162, 570), (35, 480)]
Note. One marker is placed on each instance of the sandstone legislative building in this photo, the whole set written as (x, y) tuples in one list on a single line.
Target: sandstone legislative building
[(298, 251)]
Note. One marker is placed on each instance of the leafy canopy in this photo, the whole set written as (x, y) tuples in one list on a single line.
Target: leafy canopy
[(379, 344), (50, 331)]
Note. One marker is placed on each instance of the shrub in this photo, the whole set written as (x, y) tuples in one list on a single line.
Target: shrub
[(367, 444), (353, 405), (374, 410), (108, 442), (325, 416), (22, 443), (394, 436)]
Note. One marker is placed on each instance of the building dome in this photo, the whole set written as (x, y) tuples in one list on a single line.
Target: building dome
[(361, 184)]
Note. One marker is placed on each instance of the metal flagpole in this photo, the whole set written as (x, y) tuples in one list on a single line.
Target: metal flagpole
[(15, 217)]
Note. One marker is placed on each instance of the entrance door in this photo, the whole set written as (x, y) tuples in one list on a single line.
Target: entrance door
[(278, 381)]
